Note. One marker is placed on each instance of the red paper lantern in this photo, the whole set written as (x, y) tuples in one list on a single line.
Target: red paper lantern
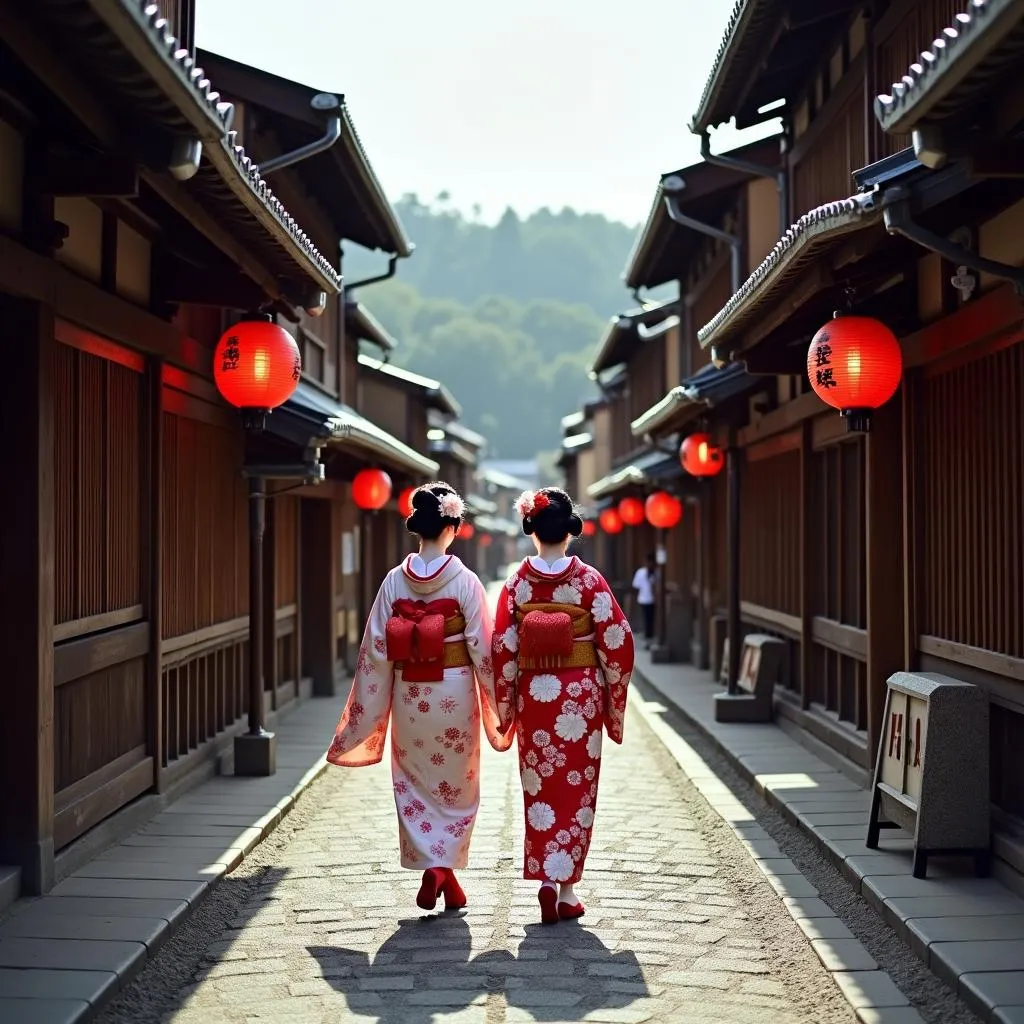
[(485, 540), (663, 510), (371, 489), (699, 457), (589, 528), (466, 531), (257, 365), (405, 502), (854, 364), (631, 511), (611, 521)]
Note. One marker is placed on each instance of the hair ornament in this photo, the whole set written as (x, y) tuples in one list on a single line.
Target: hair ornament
[(452, 506), (529, 503)]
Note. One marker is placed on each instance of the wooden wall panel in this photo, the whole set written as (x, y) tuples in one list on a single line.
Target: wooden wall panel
[(286, 549), (97, 719), (97, 463), (206, 551), (972, 590)]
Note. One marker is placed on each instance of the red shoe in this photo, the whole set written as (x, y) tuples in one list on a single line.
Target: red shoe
[(548, 899), (570, 911), (454, 897), (430, 888)]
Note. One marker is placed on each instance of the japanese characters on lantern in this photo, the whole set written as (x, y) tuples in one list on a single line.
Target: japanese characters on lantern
[(256, 365), (854, 364)]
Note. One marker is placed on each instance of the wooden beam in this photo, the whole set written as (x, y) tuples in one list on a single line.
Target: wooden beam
[(808, 561), (883, 487), (91, 175), (271, 667), (912, 430), (177, 281), (27, 597), (153, 554), (817, 279)]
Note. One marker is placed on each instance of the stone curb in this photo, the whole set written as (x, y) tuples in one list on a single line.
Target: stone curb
[(870, 992)]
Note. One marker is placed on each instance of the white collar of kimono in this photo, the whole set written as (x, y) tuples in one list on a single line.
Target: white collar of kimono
[(550, 568), (421, 568)]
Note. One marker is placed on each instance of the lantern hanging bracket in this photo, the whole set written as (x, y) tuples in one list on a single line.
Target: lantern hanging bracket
[(898, 221)]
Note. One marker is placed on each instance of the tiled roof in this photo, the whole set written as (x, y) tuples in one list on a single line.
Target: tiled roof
[(973, 36), (137, 25), (611, 349), (741, 12), (707, 387), (791, 251)]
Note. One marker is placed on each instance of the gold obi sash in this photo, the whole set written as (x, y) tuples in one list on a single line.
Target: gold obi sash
[(549, 636), (417, 639)]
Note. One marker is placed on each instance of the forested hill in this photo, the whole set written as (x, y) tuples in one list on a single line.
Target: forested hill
[(507, 316)]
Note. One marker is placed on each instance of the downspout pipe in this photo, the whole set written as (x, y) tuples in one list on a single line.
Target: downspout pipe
[(672, 186), (325, 103), (898, 221), (386, 276), (779, 175)]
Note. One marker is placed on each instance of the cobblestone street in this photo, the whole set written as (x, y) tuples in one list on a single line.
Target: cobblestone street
[(680, 925)]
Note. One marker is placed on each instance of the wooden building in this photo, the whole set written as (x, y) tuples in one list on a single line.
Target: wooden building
[(135, 225), (458, 451), (900, 548)]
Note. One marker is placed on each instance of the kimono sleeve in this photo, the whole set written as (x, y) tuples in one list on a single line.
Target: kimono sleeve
[(359, 737), (613, 638), (505, 653), (497, 716)]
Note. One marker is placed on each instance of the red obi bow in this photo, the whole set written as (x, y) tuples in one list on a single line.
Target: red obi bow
[(415, 631), (546, 635)]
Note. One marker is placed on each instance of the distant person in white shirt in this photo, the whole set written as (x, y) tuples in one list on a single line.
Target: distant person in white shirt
[(644, 580)]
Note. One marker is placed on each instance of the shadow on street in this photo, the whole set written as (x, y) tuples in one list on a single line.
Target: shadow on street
[(547, 977)]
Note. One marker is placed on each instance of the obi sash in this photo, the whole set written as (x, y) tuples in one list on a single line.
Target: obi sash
[(555, 636), (417, 637)]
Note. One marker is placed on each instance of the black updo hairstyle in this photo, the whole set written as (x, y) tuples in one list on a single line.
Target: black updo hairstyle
[(426, 520), (556, 521)]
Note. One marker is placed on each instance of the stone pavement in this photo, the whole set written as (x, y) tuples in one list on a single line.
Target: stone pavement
[(65, 954), (969, 931), (680, 925)]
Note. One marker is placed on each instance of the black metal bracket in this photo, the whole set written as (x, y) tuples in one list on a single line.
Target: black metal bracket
[(898, 221)]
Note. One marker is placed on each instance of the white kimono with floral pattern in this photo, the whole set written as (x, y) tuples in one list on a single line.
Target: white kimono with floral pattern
[(435, 727)]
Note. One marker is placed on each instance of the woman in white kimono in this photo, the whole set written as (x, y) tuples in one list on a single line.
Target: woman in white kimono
[(425, 652)]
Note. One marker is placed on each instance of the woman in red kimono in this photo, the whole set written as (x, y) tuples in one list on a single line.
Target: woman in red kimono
[(425, 668), (563, 653)]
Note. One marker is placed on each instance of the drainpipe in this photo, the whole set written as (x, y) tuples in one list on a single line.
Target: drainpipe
[(733, 551), (324, 103), (898, 221), (386, 276), (757, 170), (672, 186)]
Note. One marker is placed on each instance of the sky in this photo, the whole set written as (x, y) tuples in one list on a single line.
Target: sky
[(548, 103)]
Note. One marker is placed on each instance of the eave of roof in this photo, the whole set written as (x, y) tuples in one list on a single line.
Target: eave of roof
[(577, 442), (615, 346), (173, 78), (289, 99), (339, 424), (803, 239), (445, 446), (649, 466), (704, 181), (433, 393), (463, 433), (709, 387), (503, 481), (929, 89), (367, 327), (572, 421)]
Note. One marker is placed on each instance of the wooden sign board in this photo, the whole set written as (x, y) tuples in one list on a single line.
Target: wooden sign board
[(761, 660), (932, 768)]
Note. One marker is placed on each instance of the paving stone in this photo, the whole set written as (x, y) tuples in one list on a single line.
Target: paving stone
[(147, 930), (132, 870), (951, 959), (41, 1011), (824, 928), (889, 1015), (120, 958), (843, 955), (1008, 1015), (869, 989), (66, 984), (104, 906), (926, 930), (130, 889), (807, 906), (989, 989)]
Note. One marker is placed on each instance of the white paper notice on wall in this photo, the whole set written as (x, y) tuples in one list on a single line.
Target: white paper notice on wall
[(348, 560), (662, 556)]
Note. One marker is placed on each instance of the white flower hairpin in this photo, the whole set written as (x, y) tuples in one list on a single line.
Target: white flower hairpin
[(452, 506)]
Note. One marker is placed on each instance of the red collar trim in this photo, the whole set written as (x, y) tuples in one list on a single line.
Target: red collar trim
[(408, 570), (541, 574)]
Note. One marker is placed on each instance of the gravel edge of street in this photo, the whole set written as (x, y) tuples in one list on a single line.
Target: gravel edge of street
[(928, 994)]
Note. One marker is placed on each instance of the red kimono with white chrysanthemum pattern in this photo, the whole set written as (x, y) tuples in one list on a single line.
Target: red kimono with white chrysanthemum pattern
[(561, 711), (435, 725)]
